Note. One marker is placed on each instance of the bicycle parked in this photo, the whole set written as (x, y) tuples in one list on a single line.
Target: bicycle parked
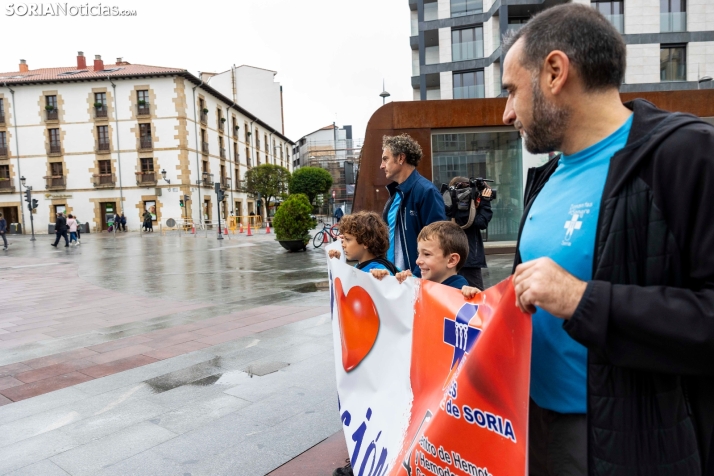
[(328, 234)]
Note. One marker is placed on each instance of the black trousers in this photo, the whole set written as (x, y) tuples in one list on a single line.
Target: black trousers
[(60, 234), (557, 443), (473, 276), (3, 238)]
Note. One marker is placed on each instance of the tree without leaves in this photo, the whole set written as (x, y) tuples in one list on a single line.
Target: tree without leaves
[(271, 181), (312, 181)]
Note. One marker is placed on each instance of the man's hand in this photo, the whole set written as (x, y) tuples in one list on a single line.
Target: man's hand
[(543, 283), (334, 254), (379, 273), (403, 275), (486, 192), (469, 291)]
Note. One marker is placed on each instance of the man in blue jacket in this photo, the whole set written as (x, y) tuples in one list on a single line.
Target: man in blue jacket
[(414, 202), (3, 230)]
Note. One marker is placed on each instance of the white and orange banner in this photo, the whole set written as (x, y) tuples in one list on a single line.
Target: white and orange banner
[(430, 383)]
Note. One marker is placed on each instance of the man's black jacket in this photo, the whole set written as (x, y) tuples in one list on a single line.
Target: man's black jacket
[(60, 224), (647, 316)]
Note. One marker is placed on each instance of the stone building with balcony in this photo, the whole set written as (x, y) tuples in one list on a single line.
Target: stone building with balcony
[(94, 140)]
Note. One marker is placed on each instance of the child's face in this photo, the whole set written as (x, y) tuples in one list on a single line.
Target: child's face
[(433, 264), (353, 250)]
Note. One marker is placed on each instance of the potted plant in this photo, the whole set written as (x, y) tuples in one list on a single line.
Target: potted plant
[(205, 110), (237, 127), (98, 105), (142, 102), (292, 222), (49, 107)]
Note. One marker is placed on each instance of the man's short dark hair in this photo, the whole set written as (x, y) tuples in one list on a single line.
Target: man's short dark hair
[(591, 42), (403, 144)]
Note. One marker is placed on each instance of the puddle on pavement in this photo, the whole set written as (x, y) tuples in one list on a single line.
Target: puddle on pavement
[(312, 287), (204, 374)]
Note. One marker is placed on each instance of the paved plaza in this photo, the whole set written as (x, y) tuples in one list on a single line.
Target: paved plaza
[(168, 354)]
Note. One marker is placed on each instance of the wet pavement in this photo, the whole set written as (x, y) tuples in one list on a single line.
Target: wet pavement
[(167, 354)]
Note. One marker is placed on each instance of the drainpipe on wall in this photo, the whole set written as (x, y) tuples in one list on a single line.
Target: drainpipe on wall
[(116, 124), (230, 139), (198, 165), (17, 151)]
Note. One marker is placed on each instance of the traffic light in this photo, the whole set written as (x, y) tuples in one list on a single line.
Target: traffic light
[(221, 195), (34, 203), (28, 195), (186, 198), (181, 203)]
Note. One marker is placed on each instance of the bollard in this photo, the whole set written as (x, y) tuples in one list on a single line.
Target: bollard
[(249, 233)]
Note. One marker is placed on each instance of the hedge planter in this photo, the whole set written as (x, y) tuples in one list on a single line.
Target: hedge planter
[(293, 245)]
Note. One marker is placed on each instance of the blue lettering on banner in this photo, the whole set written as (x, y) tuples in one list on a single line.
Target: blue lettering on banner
[(491, 422), (370, 464)]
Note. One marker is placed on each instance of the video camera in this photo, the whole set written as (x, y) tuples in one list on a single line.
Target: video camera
[(465, 197)]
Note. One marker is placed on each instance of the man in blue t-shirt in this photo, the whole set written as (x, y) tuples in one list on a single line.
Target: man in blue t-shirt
[(414, 202), (558, 233)]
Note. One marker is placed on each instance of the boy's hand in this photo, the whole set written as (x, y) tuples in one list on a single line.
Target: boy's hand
[(379, 273), (469, 291), (334, 254), (403, 275)]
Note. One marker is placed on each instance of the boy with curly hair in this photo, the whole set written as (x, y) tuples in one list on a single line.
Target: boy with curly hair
[(365, 239)]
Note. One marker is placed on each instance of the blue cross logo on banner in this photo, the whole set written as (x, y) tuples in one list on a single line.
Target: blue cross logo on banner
[(458, 333)]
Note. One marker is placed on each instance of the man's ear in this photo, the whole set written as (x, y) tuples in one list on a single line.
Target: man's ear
[(454, 259)]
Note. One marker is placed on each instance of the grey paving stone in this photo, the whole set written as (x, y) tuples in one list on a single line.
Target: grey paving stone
[(185, 394), (238, 359), (192, 416), (107, 422), (32, 450), (281, 406), (244, 459), (147, 463), (90, 458), (210, 439), (42, 468), (34, 405)]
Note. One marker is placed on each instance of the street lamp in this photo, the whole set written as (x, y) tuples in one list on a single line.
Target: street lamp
[(163, 175), (703, 79), (384, 94), (31, 204)]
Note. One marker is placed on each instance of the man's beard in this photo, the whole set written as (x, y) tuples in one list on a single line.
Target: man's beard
[(547, 131)]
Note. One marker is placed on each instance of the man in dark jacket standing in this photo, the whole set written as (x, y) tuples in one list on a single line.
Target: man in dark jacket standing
[(61, 230), (3, 231), (614, 259), (413, 203)]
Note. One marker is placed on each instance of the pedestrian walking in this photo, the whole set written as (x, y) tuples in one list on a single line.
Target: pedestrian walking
[(339, 214), (79, 227), (414, 202), (72, 225), (613, 259), (148, 223), (122, 222), (61, 230), (117, 220), (3, 230)]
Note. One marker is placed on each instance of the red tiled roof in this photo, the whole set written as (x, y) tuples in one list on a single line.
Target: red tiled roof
[(54, 74)]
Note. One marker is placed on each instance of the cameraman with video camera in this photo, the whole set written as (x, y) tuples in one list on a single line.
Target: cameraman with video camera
[(480, 200)]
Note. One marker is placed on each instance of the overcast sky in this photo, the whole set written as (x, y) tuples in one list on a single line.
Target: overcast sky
[(330, 55)]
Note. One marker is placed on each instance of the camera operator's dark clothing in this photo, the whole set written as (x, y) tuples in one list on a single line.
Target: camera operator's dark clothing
[(647, 316), (477, 256)]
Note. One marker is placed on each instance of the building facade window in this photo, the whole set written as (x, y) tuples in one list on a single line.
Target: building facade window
[(673, 15), (614, 11), (673, 63), (147, 165), (55, 145), (460, 8), (103, 138), (105, 167), (2, 111), (3, 144), (469, 85), (493, 155), (56, 169), (431, 10), (51, 108), (142, 102), (145, 141), (467, 44)]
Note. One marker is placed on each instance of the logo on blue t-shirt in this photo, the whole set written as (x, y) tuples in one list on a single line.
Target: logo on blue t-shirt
[(576, 212)]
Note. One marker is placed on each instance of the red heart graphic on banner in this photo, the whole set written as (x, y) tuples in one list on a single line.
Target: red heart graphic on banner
[(359, 324)]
